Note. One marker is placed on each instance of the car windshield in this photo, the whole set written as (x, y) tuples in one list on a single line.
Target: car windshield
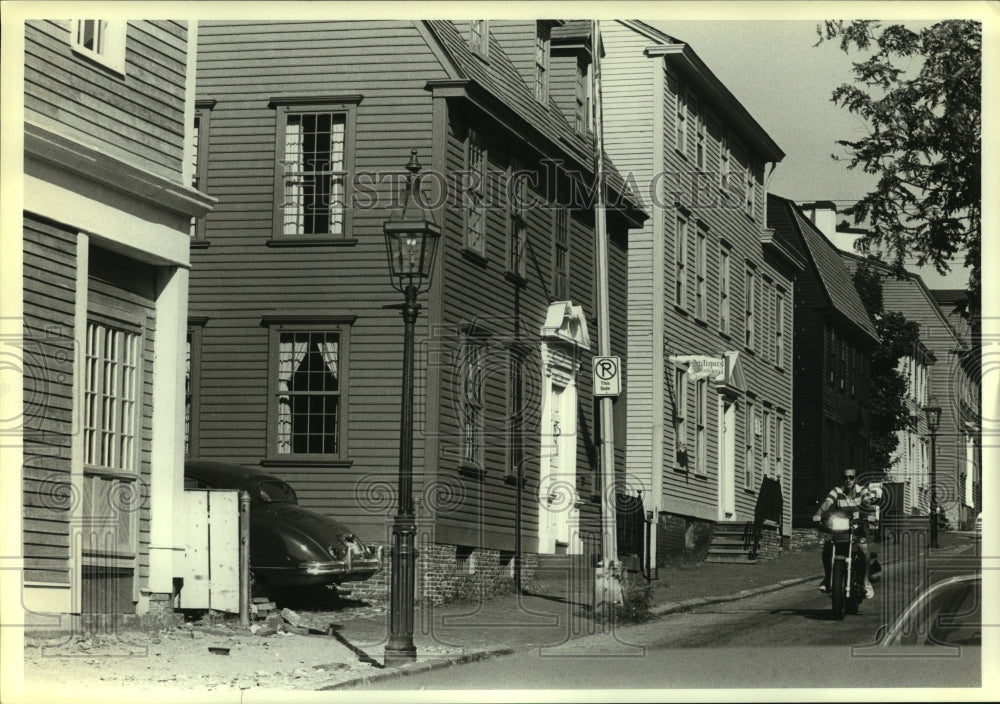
[(274, 491)]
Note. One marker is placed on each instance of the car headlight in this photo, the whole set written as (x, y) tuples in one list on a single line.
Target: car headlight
[(839, 523)]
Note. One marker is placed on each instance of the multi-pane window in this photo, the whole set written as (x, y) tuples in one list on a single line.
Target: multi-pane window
[(725, 291), (517, 228), (479, 36), (561, 255), (749, 447), (700, 414), (680, 261), (750, 298), (681, 121), (680, 413), (308, 392), (700, 146), (475, 192), (779, 328), (101, 40), (582, 111), (766, 445), (471, 369), (725, 163), (314, 170), (701, 274), (779, 447), (542, 43), (111, 398), (750, 205)]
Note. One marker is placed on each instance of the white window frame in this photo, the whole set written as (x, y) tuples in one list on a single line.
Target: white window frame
[(766, 443), (680, 261), (780, 334), (700, 420), (750, 205), (701, 145), (543, 40), (476, 160), (725, 164), (701, 274), (561, 249), (750, 308), (681, 121), (110, 42), (779, 446), (725, 290), (113, 405), (680, 414), (750, 447)]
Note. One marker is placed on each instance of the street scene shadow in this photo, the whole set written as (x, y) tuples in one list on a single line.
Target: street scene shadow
[(315, 599), (811, 614)]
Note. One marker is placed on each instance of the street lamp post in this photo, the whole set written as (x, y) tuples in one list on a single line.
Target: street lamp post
[(411, 238), (933, 412)]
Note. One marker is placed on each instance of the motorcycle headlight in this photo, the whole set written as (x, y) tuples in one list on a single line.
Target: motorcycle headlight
[(839, 523)]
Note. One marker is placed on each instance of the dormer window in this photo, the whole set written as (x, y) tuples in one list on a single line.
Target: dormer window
[(542, 46), (479, 37)]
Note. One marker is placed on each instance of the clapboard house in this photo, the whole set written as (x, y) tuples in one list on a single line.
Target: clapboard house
[(107, 210), (833, 341), (939, 374), (305, 131), (710, 293)]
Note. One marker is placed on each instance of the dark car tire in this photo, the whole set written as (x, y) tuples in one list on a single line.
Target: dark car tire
[(838, 584)]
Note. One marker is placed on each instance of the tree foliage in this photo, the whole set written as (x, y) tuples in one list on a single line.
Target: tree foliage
[(888, 413), (919, 92)]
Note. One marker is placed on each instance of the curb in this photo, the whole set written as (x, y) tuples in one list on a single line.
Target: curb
[(670, 607), (419, 667)]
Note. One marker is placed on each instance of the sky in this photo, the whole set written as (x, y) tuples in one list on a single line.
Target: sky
[(785, 81)]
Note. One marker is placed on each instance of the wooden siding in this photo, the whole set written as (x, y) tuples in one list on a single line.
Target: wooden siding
[(641, 124), (239, 278), (629, 116), (49, 366), (479, 291), (138, 118)]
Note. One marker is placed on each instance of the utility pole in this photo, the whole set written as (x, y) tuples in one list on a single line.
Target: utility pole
[(607, 585)]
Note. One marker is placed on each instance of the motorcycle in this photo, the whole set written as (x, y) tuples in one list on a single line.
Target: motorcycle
[(847, 570)]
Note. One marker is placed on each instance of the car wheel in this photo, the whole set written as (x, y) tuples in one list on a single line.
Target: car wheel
[(259, 587)]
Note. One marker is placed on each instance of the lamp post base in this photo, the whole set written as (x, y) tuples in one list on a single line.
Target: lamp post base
[(399, 654)]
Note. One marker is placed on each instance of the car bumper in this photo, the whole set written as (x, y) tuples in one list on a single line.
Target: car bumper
[(352, 568)]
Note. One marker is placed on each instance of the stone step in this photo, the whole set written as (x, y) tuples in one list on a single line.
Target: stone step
[(731, 559)]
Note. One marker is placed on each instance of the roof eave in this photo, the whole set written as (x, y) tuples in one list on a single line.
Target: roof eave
[(684, 59)]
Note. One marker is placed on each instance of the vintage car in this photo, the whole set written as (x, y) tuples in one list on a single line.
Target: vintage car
[(290, 546), (947, 613)]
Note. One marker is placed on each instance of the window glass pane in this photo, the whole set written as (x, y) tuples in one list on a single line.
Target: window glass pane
[(308, 393)]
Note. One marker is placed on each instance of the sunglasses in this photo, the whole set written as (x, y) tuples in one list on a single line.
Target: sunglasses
[(850, 476)]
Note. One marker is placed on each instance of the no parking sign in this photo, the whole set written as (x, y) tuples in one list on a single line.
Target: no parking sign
[(607, 376)]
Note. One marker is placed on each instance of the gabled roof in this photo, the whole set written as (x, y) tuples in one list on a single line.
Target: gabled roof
[(501, 80), (832, 275), (689, 65), (897, 298)]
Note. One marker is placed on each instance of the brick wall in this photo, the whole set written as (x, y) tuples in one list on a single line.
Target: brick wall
[(682, 538), (450, 573)]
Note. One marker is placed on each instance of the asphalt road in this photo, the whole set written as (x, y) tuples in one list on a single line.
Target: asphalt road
[(781, 639)]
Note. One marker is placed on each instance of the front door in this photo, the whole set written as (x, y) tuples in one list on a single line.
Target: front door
[(727, 459), (558, 512)]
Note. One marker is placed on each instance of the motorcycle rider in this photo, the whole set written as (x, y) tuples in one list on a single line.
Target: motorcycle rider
[(855, 498)]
